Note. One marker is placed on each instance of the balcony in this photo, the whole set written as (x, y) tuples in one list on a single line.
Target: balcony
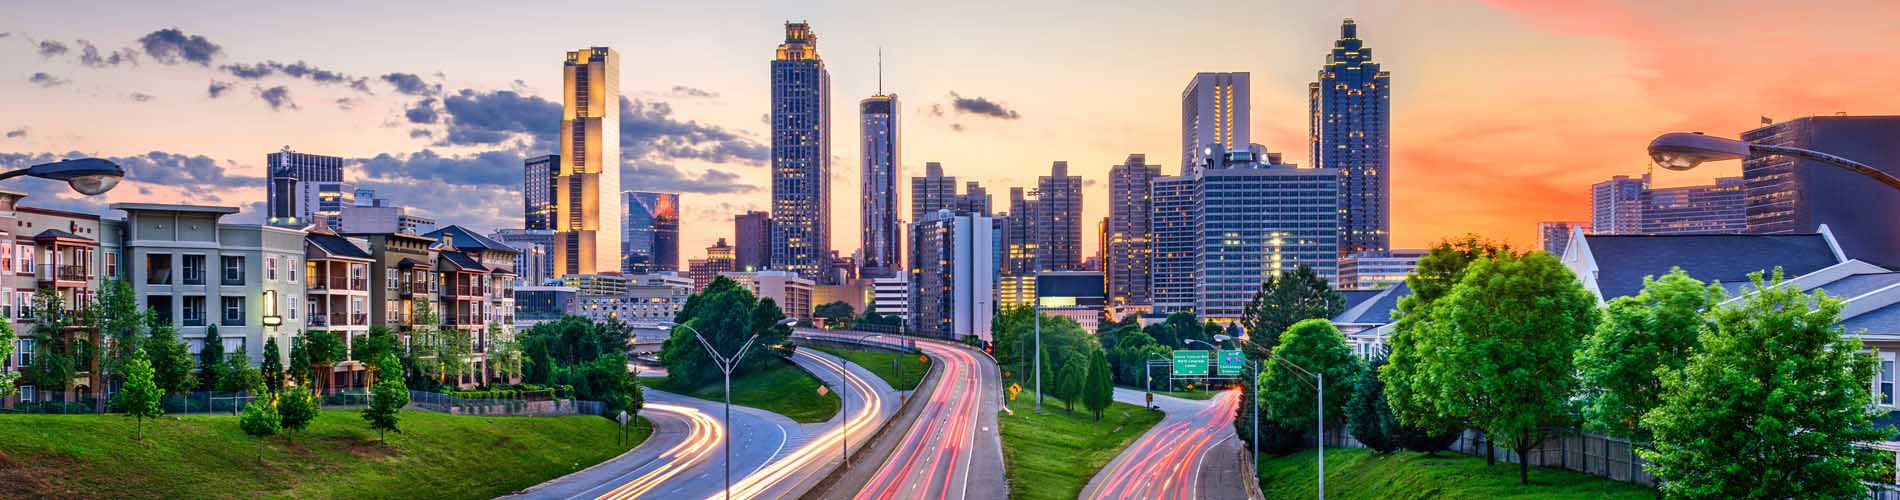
[(50, 272), (319, 320)]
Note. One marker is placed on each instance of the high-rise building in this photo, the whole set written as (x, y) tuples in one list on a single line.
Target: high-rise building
[(1787, 195), (935, 191), (535, 264), (1236, 221), (1376, 270), (881, 153), (1350, 127), (801, 155), (1553, 236), (718, 260), (1214, 111), (1044, 229), (585, 241), (952, 275), (650, 235), (1630, 205), (537, 191), (1128, 251), (1616, 205), (752, 241), (294, 193)]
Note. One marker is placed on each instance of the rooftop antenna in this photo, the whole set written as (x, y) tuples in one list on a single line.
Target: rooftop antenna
[(880, 70)]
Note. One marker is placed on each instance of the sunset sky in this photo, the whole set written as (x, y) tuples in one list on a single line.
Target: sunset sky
[(1504, 112)]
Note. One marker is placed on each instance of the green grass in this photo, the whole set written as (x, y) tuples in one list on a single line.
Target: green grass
[(783, 388), (1197, 394), (1053, 455), (907, 374), (1360, 473), (338, 456)]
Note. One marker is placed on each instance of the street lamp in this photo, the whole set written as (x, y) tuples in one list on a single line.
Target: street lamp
[(726, 365), (88, 176), (1319, 401), (1683, 151)]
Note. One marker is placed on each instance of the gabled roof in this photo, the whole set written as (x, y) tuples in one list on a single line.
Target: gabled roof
[(1623, 260), (1376, 310), (337, 246), (465, 239), (1354, 297), (58, 234), (461, 261)]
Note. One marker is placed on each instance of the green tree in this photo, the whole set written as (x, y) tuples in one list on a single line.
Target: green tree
[(120, 321), (835, 313), (1070, 382), (723, 314), (1774, 404), (1436, 273), (170, 358), (261, 420), (210, 359), (58, 348), (1368, 419), (1639, 338), (1287, 395), (237, 375), (1499, 350), (298, 368), (384, 413), (1099, 390), (1287, 299), (138, 398), (273, 366), (504, 352), (6, 351), (298, 408), (380, 343), (324, 350), (765, 317)]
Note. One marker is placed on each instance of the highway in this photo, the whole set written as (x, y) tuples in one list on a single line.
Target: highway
[(1183, 457), (952, 451), (683, 457), (872, 403)]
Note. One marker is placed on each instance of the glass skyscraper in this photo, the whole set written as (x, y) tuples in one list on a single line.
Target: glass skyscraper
[(650, 238), (1128, 245), (537, 191), (801, 155), (1214, 111), (295, 190), (1350, 126), (1240, 219), (881, 154), (1786, 195)]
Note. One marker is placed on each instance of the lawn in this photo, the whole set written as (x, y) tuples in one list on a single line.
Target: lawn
[(1197, 394), (783, 388), (1360, 473), (436, 456), (1053, 455), (903, 376)]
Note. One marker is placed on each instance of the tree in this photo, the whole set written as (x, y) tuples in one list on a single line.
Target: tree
[(324, 350), (298, 368), (120, 321), (261, 420), (1287, 395), (59, 350), (1099, 390), (504, 352), (6, 351), (210, 358), (1368, 419), (1287, 299), (1640, 337), (273, 366), (1069, 385), (139, 397), (298, 408), (236, 373), (380, 342), (765, 317), (1499, 350), (723, 314), (1775, 404), (385, 406), (1434, 276), (170, 359), (835, 313)]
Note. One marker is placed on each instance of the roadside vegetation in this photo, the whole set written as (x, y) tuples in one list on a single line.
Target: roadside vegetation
[(780, 387), (1053, 455), (902, 371), (1353, 473)]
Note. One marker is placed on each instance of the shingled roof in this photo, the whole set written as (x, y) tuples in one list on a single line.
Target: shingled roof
[(1622, 261), (465, 239)]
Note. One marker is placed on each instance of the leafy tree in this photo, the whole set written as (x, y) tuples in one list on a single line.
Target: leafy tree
[(1773, 405), (272, 368), (1062, 338), (58, 350), (385, 406), (724, 314), (298, 369), (438, 355), (120, 321), (261, 420), (324, 350), (1639, 338), (1434, 276), (6, 351), (298, 408), (236, 373), (138, 398), (765, 317), (210, 358), (1367, 417), (1099, 390), (835, 313), (606, 379), (1287, 396), (1287, 299), (380, 343), (1499, 350), (1069, 385), (504, 352), (170, 359)]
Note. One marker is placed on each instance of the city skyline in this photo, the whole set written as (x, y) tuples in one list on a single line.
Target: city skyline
[(1465, 155)]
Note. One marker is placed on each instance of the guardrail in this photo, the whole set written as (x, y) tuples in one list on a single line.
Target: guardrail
[(905, 344)]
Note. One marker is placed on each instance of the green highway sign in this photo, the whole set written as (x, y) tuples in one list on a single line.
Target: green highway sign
[(1190, 363), (1231, 363)]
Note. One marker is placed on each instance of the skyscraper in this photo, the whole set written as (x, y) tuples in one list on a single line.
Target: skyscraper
[(1214, 111), (881, 153), (1236, 221), (952, 275), (1616, 205), (801, 155), (1045, 226), (1128, 249), (585, 241), (1350, 127), (1553, 236), (752, 241), (650, 238), (1629, 205), (934, 191), (1786, 195), (537, 191), (297, 182)]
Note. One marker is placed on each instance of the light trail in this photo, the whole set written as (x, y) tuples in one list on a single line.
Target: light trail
[(704, 438), (1166, 463), (927, 461), (858, 424)]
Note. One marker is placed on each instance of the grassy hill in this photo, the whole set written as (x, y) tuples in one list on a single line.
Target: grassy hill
[(783, 388), (1053, 455), (1360, 473)]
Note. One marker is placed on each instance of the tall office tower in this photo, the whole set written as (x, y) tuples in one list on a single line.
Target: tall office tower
[(719, 259), (1786, 195), (1553, 236), (537, 191), (293, 194), (1616, 205), (952, 275), (1350, 127), (1021, 253), (1235, 222), (1056, 220), (1128, 249), (535, 264), (881, 153), (1214, 111), (585, 241), (932, 192), (1718, 208), (974, 200), (650, 237), (752, 241), (801, 155)]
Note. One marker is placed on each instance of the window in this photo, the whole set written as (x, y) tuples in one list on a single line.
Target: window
[(234, 270), (112, 264), (293, 305), (22, 305), (26, 352), (233, 311), (6, 304), (390, 276), (194, 269), (292, 275), (270, 269), (23, 257), (160, 307), (6, 257), (1883, 380), (28, 394), (195, 310)]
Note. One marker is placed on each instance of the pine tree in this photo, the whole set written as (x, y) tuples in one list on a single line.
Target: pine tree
[(1100, 390), (140, 395), (210, 359), (299, 367), (273, 366), (1074, 376)]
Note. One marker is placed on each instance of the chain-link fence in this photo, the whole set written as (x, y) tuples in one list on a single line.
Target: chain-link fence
[(232, 403)]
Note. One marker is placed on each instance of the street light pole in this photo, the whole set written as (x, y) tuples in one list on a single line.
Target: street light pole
[(88, 176), (1038, 308), (726, 365), (1683, 151), (1319, 402)]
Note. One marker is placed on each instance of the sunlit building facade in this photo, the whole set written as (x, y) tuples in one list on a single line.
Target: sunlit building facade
[(585, 241), (1350, 128), (881, 154), (801, 155), (1214, 111)]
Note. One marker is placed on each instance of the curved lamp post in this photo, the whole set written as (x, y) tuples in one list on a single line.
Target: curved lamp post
[(88, 176), (726, 365), (1684, 150)]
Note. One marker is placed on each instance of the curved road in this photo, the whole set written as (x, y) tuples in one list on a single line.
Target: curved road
[(1186, 456), (952, 451), (683, 457), (872, 403)]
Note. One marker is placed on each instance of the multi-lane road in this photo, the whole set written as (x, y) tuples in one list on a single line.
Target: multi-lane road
[(952, 450), (1192, 454)]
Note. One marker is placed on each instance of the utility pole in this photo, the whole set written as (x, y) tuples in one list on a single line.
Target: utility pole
[(1039, 357)]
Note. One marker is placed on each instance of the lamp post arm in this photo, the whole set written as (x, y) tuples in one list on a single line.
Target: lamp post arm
[(13, 173), (1817, 156)]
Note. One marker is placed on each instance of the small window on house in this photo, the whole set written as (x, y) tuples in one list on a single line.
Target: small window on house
[(1883, 390)]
